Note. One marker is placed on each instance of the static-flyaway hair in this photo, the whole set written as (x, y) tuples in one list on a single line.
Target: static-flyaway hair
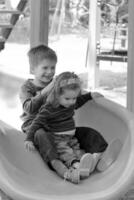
[(65, 80)]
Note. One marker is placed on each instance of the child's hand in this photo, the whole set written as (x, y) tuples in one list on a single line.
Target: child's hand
[(48, 87), (29, 145), (96, 95)]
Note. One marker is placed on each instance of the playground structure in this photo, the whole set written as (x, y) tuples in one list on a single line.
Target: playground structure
[(6, 28)]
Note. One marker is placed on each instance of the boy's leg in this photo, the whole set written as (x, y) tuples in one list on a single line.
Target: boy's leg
[(91, 141), (109, 155)]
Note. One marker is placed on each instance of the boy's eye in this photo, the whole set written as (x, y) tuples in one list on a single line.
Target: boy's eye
[(45, 68), (53, 68)]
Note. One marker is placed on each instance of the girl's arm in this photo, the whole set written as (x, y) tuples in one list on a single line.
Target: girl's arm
[(82, 99)]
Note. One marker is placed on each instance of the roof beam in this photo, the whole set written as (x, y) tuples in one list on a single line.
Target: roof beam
[(39, 22)]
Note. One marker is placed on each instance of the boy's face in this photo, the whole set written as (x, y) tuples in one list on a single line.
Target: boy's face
[(45, 71)]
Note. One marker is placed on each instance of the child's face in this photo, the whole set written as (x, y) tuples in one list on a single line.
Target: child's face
[(68, 98), (45, 71)]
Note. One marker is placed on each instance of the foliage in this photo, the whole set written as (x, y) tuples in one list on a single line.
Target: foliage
[(77, 11), (75, 16)]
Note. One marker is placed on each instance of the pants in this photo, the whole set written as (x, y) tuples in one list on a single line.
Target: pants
[(90, 140), (44, 143), (68, 149)]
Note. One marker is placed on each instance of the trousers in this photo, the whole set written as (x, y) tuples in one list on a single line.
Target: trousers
[(68, 149), (90, 141)]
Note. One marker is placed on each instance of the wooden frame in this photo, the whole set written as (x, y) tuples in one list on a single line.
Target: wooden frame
[(39, 22)]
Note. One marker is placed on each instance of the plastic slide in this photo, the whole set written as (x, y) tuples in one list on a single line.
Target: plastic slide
[(24, 176)]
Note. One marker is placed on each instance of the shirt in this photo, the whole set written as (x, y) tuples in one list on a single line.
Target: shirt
[(31, 100), (56, 119)]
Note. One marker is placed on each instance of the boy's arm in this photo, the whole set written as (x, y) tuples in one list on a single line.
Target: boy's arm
[(37, 123), (82, 99), (46, 90), (31, 101)]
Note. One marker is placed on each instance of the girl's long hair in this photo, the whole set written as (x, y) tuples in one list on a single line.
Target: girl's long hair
[(65, 80)]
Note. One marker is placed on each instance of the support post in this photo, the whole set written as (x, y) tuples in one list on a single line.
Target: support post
[(130, 72), (94, 40), (39, 22)]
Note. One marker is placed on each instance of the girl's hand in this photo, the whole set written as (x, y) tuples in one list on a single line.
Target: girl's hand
[(96, 95), (29, 145)]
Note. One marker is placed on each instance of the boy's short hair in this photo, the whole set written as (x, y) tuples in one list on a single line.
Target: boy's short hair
[(39, 53)]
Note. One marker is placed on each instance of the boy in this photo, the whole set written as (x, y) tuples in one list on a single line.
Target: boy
[(33, 93)]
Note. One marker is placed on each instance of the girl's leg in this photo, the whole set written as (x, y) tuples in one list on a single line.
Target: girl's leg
[(71, 175), (44, 142), (109, 155), (46, 147), (96, 158), (85, 166), (65, 152), (85, 159)]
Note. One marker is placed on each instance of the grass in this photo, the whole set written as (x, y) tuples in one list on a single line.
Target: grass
[(108, 80), (111, 80)]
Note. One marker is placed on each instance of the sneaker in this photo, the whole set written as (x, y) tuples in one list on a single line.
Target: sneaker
[(72, 175), (86, 162), (110, 155), (96, 158)]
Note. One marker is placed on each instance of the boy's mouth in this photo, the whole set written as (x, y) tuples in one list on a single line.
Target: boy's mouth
[(48, 77)]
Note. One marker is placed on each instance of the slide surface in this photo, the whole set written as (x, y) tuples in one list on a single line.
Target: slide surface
[(24, 176)]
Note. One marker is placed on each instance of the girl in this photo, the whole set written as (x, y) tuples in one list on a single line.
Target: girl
[(56, 117)]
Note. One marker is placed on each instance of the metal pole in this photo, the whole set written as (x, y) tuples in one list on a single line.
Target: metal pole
[(130, 72), (94, 39)]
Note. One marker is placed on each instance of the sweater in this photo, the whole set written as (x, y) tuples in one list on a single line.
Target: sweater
[(56, 119)]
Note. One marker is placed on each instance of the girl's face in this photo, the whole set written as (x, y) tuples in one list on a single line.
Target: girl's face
[(68, 98), (45, 71)]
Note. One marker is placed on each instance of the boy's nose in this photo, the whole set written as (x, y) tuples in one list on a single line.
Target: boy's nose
[(50, 71)]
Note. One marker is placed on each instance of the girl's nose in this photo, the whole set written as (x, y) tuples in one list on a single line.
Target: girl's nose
[(72, 102)]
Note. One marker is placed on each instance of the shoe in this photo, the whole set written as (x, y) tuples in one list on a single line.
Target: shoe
[(96, 158), (72, 175), (85, 166), (110, 155)]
